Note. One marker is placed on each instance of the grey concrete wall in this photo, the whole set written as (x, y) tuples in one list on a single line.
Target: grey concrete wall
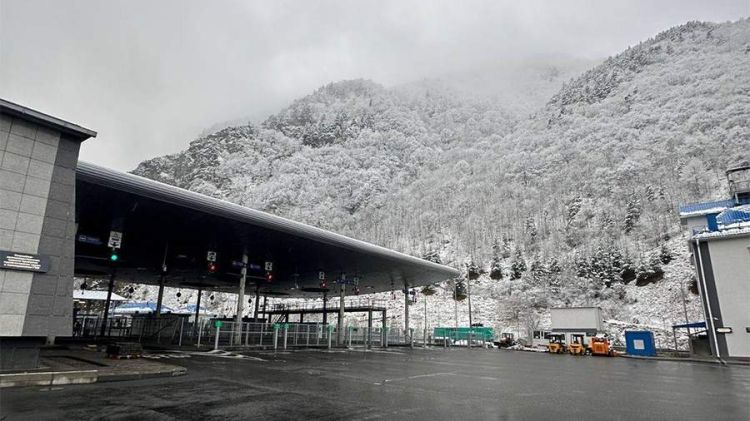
[(37, 194), (731, 269)]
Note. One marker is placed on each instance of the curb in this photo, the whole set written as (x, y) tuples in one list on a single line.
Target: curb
[(688, 360), (181, 371), (48, 378)]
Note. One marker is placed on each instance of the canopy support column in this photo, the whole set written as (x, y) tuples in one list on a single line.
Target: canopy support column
[(369, 327), (257, 304), (241, 298), (198, 308), (340, 330), (406, 313), (161, 295), (325, 307), (384, 330), (109, 300), (162, 277)]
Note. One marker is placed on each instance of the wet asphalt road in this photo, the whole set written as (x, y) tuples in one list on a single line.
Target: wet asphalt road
[(456, 384)]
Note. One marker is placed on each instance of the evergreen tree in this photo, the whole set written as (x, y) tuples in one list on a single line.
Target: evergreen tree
[(496, 270), (518, 265)]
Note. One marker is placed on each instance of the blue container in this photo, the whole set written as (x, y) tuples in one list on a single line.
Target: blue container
[(640, 342)]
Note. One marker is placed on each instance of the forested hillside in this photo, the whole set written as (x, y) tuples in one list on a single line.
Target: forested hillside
[(573, 205)]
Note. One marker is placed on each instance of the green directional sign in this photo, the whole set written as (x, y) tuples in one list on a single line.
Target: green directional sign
[(218, 323), (276, 326)]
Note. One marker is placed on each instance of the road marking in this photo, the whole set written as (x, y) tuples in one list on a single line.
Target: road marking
[(418, 376)]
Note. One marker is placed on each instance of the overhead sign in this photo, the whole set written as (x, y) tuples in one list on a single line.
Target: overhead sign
[(87, 239), (346, 282), (23, 261), (115, 239), (211, 256), (218, 323)]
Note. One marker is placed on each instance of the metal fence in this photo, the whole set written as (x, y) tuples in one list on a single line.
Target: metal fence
[(265, 335), (179, 330)]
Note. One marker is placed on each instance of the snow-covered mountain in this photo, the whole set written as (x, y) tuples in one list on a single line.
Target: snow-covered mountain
[(573, 205)]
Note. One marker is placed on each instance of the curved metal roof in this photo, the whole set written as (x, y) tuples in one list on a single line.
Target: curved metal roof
[(140, 186)]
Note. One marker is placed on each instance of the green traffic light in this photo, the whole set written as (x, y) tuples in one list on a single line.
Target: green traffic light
[(113, 257)]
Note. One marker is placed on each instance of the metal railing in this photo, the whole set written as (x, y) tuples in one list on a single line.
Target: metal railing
[(265, 335), (333, 302), (215, 334)]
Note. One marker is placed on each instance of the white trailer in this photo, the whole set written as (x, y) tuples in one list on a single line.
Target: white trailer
[(577, 318), (577, 323)]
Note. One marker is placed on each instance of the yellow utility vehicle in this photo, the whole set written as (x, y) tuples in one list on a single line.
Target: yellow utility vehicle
[(557, 343), (577, 345)]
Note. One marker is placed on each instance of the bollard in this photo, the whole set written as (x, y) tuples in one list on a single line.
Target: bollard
[(330, 331), (247, 335), (275, 337), (182, 322), (286, 330), (262, 332), (200, 330), (216, 340)]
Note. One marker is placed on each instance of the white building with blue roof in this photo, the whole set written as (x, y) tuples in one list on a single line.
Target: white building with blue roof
[(720, 243)]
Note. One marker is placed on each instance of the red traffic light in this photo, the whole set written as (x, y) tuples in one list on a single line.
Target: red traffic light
[(212, 267), (269, 277)]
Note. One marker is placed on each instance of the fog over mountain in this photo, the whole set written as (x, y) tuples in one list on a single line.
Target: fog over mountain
[(556, 185)]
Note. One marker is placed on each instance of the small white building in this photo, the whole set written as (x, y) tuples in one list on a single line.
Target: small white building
[(577, 322)]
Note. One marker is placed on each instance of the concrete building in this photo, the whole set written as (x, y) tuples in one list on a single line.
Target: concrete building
[(720, 244), (38, 156)]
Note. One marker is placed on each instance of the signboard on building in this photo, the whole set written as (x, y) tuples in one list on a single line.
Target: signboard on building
[(87, 239), (23, 261)]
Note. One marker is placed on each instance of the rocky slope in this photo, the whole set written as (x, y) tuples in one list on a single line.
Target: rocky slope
[(573, 205)]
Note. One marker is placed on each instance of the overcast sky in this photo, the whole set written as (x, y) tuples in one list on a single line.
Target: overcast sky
[(149, 76)]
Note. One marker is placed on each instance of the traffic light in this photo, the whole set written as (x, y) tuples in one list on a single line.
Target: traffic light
[(113, 256), (269, 277), (212, 267)]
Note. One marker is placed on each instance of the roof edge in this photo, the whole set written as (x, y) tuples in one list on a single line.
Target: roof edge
[(11, 108), (167, 193)]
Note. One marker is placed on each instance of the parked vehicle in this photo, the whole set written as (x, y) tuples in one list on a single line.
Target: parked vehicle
[(557, 343)]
